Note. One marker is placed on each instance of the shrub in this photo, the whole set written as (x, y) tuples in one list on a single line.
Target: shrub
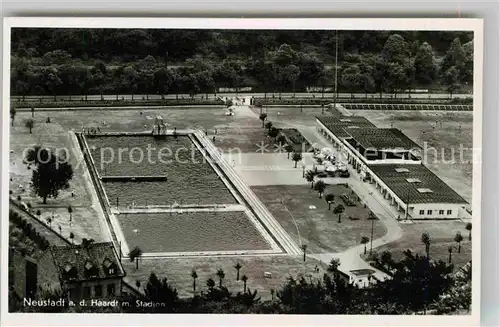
[(18, 198)]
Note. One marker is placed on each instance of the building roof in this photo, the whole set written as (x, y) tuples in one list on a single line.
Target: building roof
[(94, 261), (340, 126), (416, 184), (382, 138)]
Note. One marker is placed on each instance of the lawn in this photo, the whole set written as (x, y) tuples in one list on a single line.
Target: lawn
[(319, 227), (191, 232), (178, 272), (441, 234), (446, 132)]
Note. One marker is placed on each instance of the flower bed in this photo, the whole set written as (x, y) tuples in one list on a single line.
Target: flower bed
[(298, 141), (117, 103), (191, 232)]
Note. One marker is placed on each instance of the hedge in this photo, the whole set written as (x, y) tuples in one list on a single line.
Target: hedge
[(119, 103), (326, 101)]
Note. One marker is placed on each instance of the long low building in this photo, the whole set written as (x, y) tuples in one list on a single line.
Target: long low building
[(387, 158)]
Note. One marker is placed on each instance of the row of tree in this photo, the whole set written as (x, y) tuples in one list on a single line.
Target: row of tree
[(176, 45), (399, 66), (417, 285)]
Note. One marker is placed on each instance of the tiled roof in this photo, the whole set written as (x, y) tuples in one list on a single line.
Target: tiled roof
[(398, 183), (382, 138), (79, 263)]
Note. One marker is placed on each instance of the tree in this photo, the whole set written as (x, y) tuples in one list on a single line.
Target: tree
[(221, 275), (70, 211), (425, 65), (194, 275), (454, 57), (329, 199), (52, 173), (238, 266), (351, 78), (365, 240), (297, 156), (289, 149), (386, 259), (458, 238), (451, 80), (210, 284), (72, 237), (339, 210), (281, 139), (334, 265), (135, 254), (290, 75), (310, 174), (13, 112), (273, 132), (269, 125), (320, 186), (450, 251), (49, 221), (263, 117), (29, 124), (160, 291), (468, 227), (244, 278), (426, 240), (304, 248)]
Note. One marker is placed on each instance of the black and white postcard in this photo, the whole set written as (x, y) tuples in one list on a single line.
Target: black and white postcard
[(326, 170)]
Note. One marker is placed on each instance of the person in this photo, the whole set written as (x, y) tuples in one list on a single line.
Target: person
[(213, 139)]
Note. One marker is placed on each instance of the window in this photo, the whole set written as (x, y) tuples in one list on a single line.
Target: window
[(98, 290), (424, 190), (402, 170), (441, 212), (429, 212), (111, 289), (86, 292), (448, 212), (413, 180), (421, 212), (111, 271)]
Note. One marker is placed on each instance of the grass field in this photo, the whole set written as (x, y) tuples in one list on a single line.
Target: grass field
[(443, 131), (441, 234), (178, 272), (319, 227)]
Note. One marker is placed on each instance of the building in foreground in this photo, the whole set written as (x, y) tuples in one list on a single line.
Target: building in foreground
[(88, 271), (389, 159)]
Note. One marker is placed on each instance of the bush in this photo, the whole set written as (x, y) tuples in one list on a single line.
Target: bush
[(18, 198), (347, 200)]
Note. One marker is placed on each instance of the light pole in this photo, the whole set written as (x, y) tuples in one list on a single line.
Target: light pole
[(407, 204)]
